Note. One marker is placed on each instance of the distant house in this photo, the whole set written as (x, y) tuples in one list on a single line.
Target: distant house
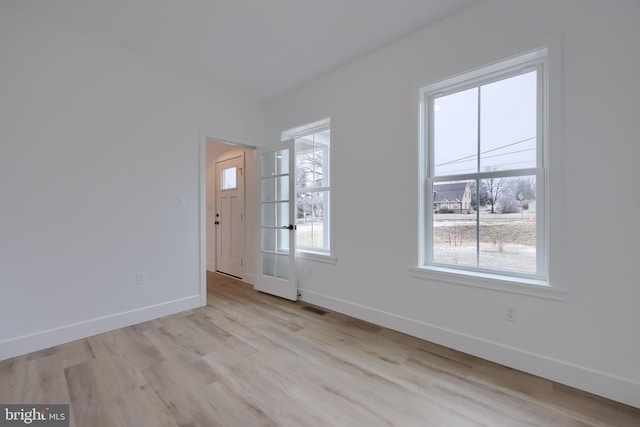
[(532, 206), (456, 197)]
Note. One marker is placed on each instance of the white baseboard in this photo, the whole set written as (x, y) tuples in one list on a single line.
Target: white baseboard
[(248, 278), (580, 377), (64, 334)]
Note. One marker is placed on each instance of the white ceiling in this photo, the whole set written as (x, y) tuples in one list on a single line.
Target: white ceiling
[(261, 47)]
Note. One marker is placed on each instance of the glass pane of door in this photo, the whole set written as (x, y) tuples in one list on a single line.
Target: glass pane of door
[(277, 235)]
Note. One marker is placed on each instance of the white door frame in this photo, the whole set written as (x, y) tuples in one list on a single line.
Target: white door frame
[(205, 135)]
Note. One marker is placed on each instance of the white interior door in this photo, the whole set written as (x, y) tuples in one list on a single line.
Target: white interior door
[(230, 216), (276, 254)]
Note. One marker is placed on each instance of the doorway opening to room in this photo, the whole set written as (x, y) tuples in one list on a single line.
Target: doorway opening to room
[(229, 188)]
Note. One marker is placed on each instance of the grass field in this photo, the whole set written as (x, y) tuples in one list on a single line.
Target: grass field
[(507, 242), (310, 235), (521, 233)]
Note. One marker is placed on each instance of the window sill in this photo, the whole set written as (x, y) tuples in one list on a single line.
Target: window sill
[(516, 285), (316, 256)]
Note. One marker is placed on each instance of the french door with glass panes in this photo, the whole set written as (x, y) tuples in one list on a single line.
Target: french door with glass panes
[(276, 254)]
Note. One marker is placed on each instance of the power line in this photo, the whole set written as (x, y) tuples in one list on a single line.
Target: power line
[(488, 157), (473, 156), (510, 152)]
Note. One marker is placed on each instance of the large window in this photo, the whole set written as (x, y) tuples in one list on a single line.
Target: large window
[(313, 187), (483, 172)]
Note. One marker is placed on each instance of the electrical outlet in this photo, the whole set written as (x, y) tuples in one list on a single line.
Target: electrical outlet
[(511, 314), (180, 202), (141, 279), (310, 272)]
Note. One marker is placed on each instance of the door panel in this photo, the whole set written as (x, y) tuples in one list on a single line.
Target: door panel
[(276, 254), (230, 216)]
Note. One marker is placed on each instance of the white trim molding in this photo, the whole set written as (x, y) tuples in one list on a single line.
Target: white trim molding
[(65, 334), (601, 383), (516, 285), (317, 257)]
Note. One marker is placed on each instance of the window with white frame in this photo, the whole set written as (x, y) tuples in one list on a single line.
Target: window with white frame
[(313, 187), (483, 170)]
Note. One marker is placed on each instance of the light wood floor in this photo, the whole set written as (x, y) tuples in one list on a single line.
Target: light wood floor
[(250, 359)]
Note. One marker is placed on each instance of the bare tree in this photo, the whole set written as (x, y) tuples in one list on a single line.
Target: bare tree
[(309, 175), (526, 186), (496, 189)]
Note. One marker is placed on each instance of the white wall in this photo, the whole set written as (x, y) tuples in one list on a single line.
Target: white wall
[(589, 340), (96, 145)]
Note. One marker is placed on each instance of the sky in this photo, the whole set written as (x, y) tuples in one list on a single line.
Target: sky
[(502, 115)]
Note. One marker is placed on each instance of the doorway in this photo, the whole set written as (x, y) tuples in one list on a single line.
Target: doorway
[(228, 245)]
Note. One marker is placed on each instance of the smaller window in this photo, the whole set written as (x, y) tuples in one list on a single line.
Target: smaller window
[(313, 187), (228, 179), (313, 191)]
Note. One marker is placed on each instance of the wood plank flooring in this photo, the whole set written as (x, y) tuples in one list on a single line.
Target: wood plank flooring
[(250, 359)]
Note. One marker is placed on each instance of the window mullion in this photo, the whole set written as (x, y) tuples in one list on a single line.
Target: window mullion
[(486, 175), (478, 180)]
